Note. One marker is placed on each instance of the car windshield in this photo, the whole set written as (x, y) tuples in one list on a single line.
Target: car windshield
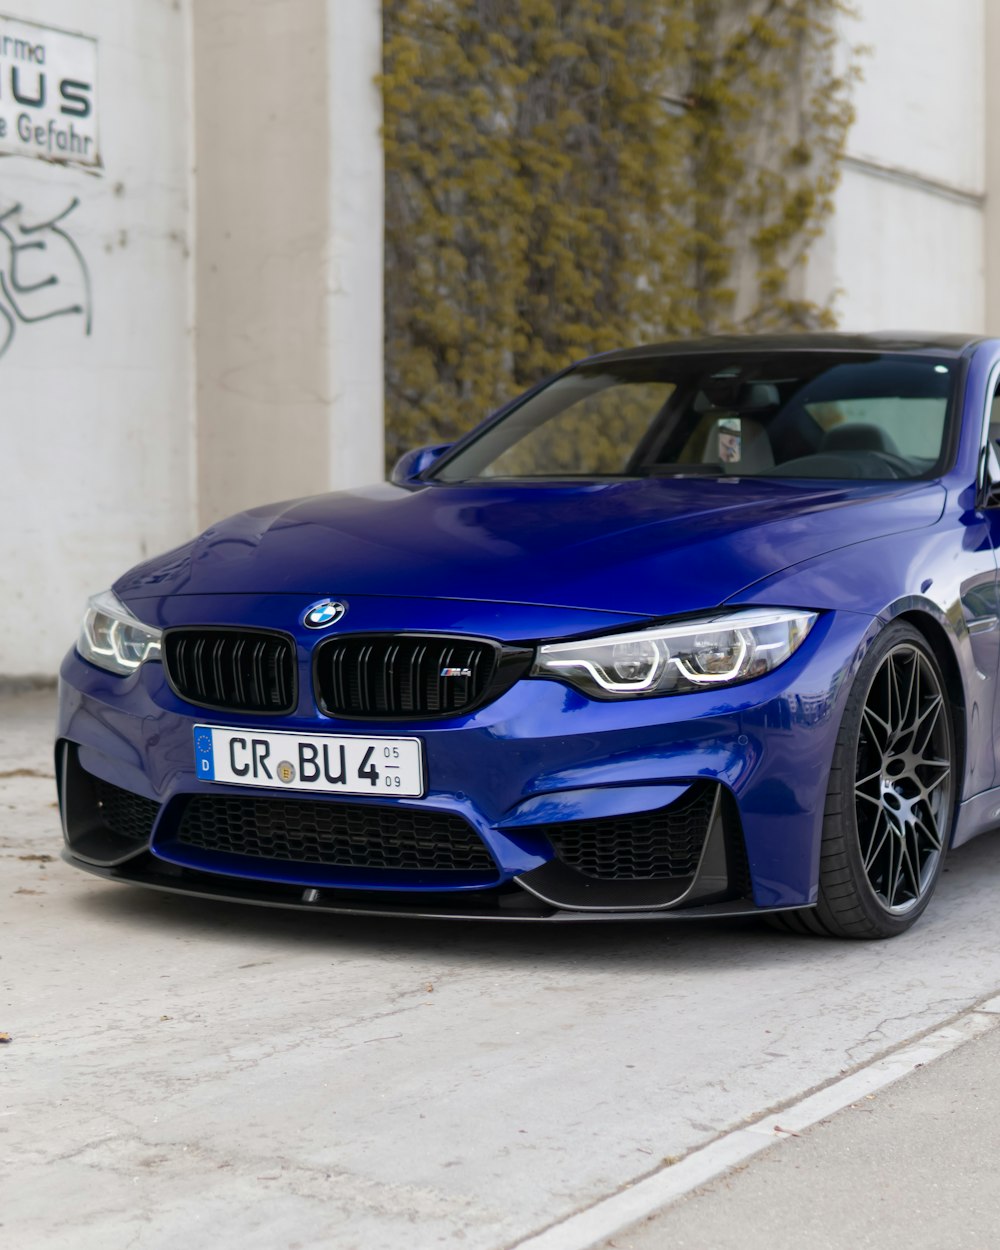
[(833, 415)]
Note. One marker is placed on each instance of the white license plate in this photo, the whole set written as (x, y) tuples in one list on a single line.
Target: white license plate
[(321, 763)]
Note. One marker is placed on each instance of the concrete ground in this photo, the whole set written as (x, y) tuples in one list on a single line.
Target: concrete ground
[(211, 1075), (910, 1168)]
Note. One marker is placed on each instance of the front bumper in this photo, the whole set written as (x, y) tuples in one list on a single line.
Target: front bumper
[(540, 757)]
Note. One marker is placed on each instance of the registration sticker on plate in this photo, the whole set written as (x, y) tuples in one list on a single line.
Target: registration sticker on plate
[(322, 763)]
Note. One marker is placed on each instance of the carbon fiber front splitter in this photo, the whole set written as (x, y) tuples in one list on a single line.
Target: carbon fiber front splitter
[(506, 904)]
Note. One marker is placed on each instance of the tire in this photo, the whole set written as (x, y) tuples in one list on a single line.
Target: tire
[(890, 804)]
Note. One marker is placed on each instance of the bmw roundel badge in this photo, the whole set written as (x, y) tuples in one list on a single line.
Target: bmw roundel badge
[(326, 612)]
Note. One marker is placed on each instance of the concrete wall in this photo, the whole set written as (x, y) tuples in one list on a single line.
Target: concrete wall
[(227, 261), (261, 174), (991, 215), (906, 247), (95, 428), (289, 258)]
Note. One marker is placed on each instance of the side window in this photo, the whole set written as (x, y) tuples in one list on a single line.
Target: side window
[(993, 442), (993, 464), (995, 423)]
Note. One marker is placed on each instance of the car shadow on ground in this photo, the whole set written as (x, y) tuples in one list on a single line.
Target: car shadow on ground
[(971, 882)]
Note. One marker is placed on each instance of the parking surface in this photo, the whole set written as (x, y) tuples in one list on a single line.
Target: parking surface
[(221, 1075), (912, 1167)]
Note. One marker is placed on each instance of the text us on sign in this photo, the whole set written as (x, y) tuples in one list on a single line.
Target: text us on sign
[(48, 93)]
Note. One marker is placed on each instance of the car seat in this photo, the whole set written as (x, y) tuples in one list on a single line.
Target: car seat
[(857, 436)]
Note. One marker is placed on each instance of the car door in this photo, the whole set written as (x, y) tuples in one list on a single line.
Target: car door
[(981, 591)]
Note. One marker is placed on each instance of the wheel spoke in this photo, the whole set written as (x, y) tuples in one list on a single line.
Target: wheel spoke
[(912, 697), (906, 861), (930, 831), (932, 711), (877, 727), (874, 849), (892, 694), (892, 876), (930, 786)]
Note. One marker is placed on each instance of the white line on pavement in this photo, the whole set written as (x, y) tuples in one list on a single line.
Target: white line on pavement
[(621, 1210)]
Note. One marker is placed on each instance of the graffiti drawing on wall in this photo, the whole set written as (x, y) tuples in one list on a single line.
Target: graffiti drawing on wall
[(43, 273)]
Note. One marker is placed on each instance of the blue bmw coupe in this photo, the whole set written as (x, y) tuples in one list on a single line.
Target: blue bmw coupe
[(702, 629)]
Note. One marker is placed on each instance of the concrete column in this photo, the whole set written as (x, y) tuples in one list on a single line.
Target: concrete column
[(288, 249), (991, 211), (354, 263)]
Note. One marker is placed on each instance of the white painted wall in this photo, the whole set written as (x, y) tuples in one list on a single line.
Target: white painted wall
[(233, 244), (991, 214), (906, 259), (905, 248), (95, 431), (920, 105)]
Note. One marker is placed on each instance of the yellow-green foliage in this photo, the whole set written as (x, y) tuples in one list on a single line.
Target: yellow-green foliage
[(569, 176)]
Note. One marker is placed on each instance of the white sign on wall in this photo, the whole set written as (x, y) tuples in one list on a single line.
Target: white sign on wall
[(48, 93)]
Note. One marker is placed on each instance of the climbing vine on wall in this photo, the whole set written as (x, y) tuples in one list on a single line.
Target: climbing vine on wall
[(569, 176)]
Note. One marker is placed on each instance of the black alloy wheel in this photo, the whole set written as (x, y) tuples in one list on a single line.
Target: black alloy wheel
[(890, 804)]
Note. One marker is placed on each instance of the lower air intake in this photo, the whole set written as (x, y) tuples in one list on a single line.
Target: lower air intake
[(336, 835), (129, 815), (642, 846)]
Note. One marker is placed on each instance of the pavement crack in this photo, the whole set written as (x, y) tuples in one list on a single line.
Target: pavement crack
[(877, 1034)]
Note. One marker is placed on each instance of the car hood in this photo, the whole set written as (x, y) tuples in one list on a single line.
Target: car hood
[(649, 547)]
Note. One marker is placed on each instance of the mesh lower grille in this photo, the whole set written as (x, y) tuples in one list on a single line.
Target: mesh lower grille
[(406, 675), (338, 835), (643, 846), (129, 815), (235, 669)]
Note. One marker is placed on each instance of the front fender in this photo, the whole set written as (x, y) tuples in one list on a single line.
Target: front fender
[(945, 576)]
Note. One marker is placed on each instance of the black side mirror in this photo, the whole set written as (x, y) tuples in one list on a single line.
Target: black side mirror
[(411, 464)]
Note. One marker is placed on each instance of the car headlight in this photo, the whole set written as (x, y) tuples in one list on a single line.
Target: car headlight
[(113, 639), (716, 650)]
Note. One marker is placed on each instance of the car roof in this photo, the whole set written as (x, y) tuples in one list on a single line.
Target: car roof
[(824, 341)]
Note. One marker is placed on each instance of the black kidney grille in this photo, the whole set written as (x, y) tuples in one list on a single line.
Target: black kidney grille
[(129, 815), (404, 675), (338, 835), (643, 846), (239, 669)]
